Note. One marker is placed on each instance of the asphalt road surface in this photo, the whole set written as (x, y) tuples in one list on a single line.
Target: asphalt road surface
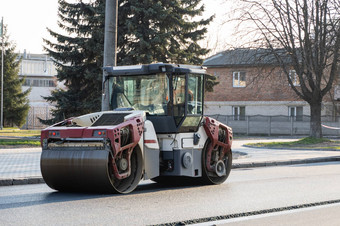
[(311, 216), (247, 193)]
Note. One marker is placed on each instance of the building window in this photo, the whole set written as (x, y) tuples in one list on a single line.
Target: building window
[(39, 82), (294, 77), (296, 113), (239, 79), (239, 113)]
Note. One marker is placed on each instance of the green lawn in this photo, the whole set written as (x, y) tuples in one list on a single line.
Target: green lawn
[(23, 142), (16, 137), (19, 133), (304, 143)]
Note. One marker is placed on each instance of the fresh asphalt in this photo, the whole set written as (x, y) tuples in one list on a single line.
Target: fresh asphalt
[(19, 166)]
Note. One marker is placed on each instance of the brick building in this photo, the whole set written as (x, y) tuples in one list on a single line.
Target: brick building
[(251, 84)]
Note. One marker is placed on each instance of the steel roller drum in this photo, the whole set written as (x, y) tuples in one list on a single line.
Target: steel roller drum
[(85, 171)]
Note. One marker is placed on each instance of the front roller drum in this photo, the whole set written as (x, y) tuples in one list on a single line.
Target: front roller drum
[(88, 171)]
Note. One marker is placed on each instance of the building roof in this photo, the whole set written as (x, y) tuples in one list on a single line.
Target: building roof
[(36, 65), (33, 56), (243, 57)]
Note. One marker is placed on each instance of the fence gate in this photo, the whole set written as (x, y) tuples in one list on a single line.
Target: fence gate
[(34, 113)]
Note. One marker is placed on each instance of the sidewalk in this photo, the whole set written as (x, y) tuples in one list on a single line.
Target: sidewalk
[(260, 157), (22, 166)]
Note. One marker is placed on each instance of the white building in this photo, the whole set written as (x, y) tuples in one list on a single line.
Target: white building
[(40, 73)]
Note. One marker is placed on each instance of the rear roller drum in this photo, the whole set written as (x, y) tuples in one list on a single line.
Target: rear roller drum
[(220, 168), (128, 184)]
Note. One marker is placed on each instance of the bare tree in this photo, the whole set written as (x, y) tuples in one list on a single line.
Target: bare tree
[(308, 33)]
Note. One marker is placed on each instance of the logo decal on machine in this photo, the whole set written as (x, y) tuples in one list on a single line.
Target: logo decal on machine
[(150, 141)]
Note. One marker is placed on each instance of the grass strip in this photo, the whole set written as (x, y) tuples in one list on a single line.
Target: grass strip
[(19, 133), (14, 142), (307, 141)]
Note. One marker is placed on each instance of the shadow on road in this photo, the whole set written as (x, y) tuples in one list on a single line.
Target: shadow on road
[(26, 200)]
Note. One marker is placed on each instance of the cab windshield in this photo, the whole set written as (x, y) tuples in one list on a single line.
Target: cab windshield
[(149, 93)]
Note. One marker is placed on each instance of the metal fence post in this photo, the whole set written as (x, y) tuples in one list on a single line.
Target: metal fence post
[(339, 125), (46, 113), (33, 118), (247, 125), (291, 126), (269, 126), (27, 119)]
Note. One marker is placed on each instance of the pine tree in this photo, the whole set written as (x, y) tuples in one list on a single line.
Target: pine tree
[(16, 104), (78, 58), (148, 31), (161, 31)]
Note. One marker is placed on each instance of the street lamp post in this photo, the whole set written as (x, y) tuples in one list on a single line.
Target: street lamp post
[(110, 45), (2, 74)]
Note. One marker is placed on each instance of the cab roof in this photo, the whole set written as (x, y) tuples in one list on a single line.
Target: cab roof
[(145, 69)]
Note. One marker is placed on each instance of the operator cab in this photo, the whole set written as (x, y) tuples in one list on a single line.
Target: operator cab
[(171, 95)]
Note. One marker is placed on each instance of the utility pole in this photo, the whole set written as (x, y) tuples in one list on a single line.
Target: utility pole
[(110, 45), (2, 74)]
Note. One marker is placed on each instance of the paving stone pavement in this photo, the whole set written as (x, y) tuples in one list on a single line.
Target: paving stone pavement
[(20, 166)]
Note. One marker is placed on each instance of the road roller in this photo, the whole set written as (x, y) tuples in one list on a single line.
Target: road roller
[(155, 130)]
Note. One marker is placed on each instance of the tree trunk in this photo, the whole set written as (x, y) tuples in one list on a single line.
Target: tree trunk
[(315, 120)]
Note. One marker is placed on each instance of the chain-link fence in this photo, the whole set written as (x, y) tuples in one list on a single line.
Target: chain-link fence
[(249, 125), (278, 125), (34, 113)]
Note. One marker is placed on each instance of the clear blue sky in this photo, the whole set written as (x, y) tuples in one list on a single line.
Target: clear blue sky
[(27, 21)]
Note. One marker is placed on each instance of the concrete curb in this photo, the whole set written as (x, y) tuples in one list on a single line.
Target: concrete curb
[(285, 163), (21, 181), (40, 180)]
